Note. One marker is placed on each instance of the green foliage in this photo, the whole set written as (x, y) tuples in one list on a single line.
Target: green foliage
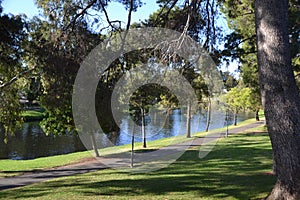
[(241, 43), (146, 95), (34, 89), (168, 100), (58, 57), (229, 80), (238, 99), (12, 35)]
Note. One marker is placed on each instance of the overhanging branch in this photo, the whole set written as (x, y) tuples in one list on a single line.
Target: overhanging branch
[(15, 78)]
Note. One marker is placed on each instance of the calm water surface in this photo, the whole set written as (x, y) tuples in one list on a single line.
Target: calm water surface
[(31, 142)]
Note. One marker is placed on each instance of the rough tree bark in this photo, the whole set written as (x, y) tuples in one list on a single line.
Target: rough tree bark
[(282, 101)]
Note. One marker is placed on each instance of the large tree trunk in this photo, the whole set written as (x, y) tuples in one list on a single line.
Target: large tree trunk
[(278, 86)]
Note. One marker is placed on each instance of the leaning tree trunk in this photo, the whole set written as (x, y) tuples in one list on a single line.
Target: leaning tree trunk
[(282, 101), (188, 120), (143, 128), (208, 116), (94, 145)]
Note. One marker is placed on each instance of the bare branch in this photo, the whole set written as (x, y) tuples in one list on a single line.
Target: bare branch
[(107, 17), (81, 13)]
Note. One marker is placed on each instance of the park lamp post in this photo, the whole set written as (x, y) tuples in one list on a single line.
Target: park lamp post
[(132, 148), (227, 121)]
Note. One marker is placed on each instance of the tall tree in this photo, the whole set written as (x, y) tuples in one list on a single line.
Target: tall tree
[(140, 103), (12, 36), (282, 100)]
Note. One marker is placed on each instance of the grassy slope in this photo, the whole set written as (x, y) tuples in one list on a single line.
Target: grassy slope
[(235, 169)]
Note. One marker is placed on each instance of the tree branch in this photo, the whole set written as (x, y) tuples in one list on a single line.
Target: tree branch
[(107, 17), (167, 13), (129, 15), (80, 14), (15, 78)]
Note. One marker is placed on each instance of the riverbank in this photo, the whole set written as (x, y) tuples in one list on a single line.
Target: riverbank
[(17, 167), (238, 168)]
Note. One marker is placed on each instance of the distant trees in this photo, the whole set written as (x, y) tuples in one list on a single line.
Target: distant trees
[(241, 98), (237, 99)]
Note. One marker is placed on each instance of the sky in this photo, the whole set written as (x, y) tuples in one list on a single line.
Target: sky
[(20, 7), (115, 10)]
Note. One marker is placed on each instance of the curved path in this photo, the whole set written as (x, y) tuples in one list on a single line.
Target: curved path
[(117, 161)]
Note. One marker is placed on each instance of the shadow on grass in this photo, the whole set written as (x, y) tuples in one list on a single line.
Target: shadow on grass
[(235, 169)]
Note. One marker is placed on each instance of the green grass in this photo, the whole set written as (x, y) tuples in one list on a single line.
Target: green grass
[(33, 115), (237, 168), (17, 167)]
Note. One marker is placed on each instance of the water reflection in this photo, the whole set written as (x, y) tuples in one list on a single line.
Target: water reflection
[(31, 142)]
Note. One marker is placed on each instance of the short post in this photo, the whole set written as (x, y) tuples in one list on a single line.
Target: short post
[(132, 148), (227, 120)]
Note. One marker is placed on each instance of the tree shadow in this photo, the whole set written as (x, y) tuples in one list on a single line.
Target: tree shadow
[(229, 171)]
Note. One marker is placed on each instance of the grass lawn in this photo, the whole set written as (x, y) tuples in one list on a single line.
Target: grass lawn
[(237, 168), (17, 167), (33, 115)]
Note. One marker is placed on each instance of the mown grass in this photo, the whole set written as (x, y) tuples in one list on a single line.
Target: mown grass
[(17, 167), (33, 115), (237, 168)]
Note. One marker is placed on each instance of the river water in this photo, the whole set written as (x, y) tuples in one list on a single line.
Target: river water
[(31, 142)]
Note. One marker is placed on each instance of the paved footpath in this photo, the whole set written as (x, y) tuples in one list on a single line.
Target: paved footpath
[(116, 161)]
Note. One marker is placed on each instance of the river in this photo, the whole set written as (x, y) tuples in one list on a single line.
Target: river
[(31, 142)]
